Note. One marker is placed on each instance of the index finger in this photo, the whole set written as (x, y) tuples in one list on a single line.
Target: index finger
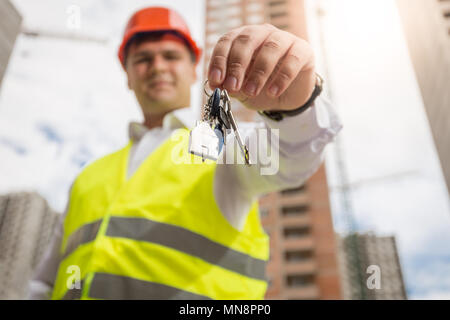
[(219, 57), (233, 53)]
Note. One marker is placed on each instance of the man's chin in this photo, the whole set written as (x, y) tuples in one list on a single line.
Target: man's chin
[(161, 96), (163, 102)]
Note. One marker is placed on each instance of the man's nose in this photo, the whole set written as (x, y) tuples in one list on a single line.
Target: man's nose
[(159, 63)]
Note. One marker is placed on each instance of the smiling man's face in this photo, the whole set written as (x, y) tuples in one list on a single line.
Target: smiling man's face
[(160, 72)]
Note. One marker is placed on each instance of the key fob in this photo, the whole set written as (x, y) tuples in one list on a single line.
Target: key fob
[(221, 135), (215, 103), (204, 142)]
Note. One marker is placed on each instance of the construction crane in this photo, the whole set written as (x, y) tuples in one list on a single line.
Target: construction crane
[(72, 36), (351, 241), (345, 187)]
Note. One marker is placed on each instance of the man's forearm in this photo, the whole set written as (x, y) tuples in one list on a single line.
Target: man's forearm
[(298, 151)]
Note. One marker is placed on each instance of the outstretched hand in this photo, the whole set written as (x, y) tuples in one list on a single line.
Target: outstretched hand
[(264, 67)]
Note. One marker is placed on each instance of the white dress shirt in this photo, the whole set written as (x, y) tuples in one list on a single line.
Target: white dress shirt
[(300, 146)]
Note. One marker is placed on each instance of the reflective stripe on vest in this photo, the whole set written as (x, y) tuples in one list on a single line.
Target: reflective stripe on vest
[(179, 239), (85, 234), (113, 287), (74, 293), (158, 234)]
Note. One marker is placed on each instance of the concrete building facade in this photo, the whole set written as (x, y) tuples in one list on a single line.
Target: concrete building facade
[(303, 263), (10, 22), (27, 224), (363, 258), (427, 30)]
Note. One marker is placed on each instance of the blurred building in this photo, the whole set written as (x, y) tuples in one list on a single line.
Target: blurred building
[(303, 262), (427, 30), (374, 254), (10, 22), (26, 226)]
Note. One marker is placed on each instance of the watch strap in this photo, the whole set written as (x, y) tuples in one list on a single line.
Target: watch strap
[(280, 114)]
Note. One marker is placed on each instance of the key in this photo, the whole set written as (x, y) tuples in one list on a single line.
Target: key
[(208, 143), (215, 103), (203, 140), (232, 122)]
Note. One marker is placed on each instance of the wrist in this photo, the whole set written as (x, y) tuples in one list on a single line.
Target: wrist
[(278, 115)]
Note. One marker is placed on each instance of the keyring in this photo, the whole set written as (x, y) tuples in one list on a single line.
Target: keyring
[(204, 89)]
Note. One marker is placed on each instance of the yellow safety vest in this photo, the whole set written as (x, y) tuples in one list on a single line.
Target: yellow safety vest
[(158, 234)]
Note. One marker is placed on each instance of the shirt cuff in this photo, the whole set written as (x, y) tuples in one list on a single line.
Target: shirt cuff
[(318, 120)]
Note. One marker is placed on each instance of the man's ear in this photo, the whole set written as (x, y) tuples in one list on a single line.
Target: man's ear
[(194, 71), (128, 79)]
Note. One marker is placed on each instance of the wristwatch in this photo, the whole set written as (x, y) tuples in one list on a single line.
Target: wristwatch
[(280, 114)]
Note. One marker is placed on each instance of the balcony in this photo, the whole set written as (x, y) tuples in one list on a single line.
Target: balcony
[(298, 243), (310, 292), (300, 267), (296, 219), (293, 199)]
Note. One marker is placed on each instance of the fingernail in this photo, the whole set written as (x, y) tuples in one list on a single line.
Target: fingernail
[(231, 82), (215, 75), (274, 90), (250, 88)]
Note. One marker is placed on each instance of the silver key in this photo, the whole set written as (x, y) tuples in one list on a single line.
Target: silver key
[(231, 120)]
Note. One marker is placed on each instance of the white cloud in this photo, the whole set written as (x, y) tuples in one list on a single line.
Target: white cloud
[(437, 295), (387, 148), (78, 90)]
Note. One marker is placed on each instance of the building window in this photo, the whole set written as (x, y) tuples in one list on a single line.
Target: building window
[(297, 189), (212, 38), (294, 210), (276, 3), (255, 19), (298, 255), (282, 26), (232, 11), (234, 22), (299, 280), (296, 232), (255, 6), (223, 2), (275, 15)]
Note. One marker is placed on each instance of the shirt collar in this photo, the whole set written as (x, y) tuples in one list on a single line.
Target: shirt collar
[(179, 118)]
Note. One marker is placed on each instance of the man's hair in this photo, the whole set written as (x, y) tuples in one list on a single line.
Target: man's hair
[(138, 38)]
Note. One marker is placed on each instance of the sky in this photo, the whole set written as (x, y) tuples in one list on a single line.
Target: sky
[(397, 184), (64, 103)]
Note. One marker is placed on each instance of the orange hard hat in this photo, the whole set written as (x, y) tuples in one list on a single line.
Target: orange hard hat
[(157, 19)]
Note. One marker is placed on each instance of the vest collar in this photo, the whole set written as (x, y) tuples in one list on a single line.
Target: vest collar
[(179, 118)]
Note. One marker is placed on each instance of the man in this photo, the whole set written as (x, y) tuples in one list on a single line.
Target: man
[(148, 222)]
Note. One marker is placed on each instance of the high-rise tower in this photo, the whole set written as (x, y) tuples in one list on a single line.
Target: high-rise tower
[(10, 21), (427, 30), (303, 263)]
